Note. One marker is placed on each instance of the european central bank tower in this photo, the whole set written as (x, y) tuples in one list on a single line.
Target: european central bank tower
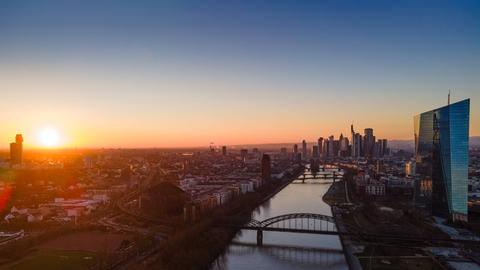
[(441, 150)]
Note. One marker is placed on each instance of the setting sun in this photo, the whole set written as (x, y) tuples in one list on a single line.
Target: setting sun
[(49, 137)]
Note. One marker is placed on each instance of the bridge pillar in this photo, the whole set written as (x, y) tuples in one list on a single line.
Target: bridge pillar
[(259, 238)]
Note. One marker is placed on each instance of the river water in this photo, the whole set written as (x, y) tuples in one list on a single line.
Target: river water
[(282, 250)]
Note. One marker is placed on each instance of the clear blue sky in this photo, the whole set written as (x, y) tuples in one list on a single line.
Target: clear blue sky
[(144, 73)]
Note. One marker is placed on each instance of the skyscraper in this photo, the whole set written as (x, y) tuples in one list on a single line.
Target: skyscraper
[(16, 150), (352, 134), (304, 150), (357, 145), (266, 168), (331, 146), (224, 150), (315, 153), (320, 146), (384, 147), (441, 149), (369, 143)]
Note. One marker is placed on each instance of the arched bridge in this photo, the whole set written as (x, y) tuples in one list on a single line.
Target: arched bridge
[(296, 222)]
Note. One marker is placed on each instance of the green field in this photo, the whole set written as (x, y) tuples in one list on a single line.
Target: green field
[(54, 260)]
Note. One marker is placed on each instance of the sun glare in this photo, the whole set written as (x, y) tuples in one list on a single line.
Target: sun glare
[(48, 137)]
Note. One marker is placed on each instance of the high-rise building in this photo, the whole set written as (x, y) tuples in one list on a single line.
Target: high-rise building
[(16, 150), (385, 150), (266, 168), (315, 153), (369, 143), (357, 145), (224, 150), (320, 146), (304, 150), (331, 146), (343, 147), (441, 153), (352, 138), (296, 154)]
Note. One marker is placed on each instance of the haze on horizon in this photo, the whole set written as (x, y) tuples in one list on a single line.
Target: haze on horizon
[(187, 73)]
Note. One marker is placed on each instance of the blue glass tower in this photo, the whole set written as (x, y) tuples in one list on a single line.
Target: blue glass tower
[(441, 148)]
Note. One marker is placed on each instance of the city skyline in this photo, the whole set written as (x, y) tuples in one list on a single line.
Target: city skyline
[(242, 134), (50, 138), (176, 75)]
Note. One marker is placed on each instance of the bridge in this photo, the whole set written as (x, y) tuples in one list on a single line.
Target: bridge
[(321, 224), (322, 173), (296, 223)]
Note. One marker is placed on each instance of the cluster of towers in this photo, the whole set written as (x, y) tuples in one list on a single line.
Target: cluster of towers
[(367, 146), (357, 146)]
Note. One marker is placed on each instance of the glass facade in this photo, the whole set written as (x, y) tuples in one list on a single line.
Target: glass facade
[(441, 148)]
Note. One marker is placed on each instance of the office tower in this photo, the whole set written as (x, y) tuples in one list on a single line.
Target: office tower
[(315, 153), (369, 143), (16, 150), (340, 139), (255, 150), (343, 146), (295, 150), (224, 150), (357, 145), (441, 149), (377, 149), (304, 150), (331, 146), (385, 150), (352, 134), (266, 168), (325, 148), (320, 146)]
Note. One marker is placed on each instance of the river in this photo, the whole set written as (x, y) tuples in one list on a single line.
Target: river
[(282, 250)]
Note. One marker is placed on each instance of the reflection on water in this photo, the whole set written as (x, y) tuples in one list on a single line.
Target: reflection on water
[(282, 250)]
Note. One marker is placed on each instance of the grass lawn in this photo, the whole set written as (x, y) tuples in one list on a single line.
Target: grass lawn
[(54, 260)]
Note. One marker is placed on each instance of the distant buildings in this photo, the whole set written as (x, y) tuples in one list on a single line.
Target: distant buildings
[(441, 149), (224, 150), (16, 150), (366, 146)]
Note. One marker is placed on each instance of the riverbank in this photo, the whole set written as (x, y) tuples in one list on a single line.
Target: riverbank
[(335, 196), (198, 245)]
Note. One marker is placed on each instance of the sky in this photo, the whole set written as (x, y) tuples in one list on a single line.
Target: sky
[(188, 73)]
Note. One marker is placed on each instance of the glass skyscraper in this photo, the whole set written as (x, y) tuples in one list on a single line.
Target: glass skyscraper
[(441, 148)]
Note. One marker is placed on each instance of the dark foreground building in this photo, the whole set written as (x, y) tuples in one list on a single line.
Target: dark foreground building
[(266, 168), (441, 148)]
